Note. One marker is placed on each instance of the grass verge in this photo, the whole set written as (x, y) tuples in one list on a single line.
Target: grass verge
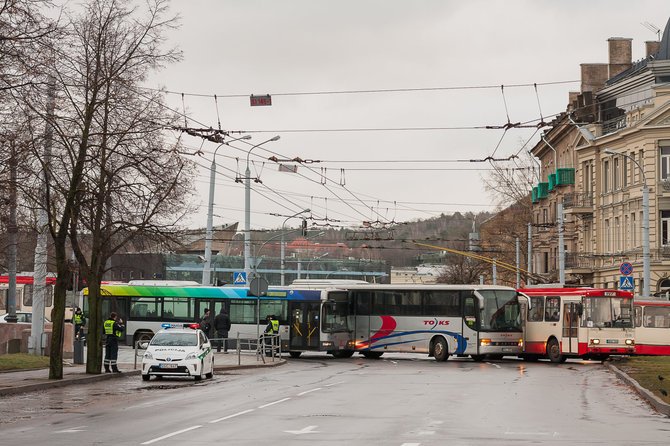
[(18, 361), (648, 371)]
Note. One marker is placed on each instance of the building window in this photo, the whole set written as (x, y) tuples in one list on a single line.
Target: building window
[(626, 232), (606, 237), (633, 231), (617, 231), (665, 227), (615, 178), (606, 176), (665, 163), (624, 172), (633, 172)]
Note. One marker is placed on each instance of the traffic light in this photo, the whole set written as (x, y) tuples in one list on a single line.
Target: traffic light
[(304, 228)]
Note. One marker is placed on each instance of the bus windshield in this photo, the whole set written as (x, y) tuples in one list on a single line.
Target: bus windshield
[(603, 312), (335, 312), (501, 311)]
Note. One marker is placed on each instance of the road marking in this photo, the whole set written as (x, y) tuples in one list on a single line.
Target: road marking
[(494, 365), (172, 434), (334, 384), (71, 430), (305, 430), (309, 391), (411, 444), (273, 403), (555, 434), (232, 416)]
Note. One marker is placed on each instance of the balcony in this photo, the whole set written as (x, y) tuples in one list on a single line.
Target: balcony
[(578, 203), (578, 263)]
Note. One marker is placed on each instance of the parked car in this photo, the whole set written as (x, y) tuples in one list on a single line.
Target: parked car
[(22, 317)]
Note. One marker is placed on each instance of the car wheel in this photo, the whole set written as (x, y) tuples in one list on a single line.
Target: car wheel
[(210, 375), (146, 377), (198, 377)]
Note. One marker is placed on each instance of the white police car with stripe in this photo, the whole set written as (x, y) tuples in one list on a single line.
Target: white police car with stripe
[(178, 350)]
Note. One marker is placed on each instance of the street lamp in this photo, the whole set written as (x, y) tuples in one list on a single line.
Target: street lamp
[(283, 257), (313, 260), (210, 209), (645, 225), (247, 212)]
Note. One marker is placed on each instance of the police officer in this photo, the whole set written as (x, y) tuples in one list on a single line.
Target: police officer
[(271, 329), (79, 323), (113, 329)]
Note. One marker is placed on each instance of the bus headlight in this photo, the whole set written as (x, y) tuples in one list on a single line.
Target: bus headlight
[(630, 342), (484, 342), (595, 341)]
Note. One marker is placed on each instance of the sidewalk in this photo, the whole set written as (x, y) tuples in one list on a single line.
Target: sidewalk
[(31, 380)]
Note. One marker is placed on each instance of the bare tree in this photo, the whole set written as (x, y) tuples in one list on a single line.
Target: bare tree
[(113, 176), (511, 182), (461, 269)]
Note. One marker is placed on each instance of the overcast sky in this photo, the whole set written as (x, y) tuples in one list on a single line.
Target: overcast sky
[(233, 49)]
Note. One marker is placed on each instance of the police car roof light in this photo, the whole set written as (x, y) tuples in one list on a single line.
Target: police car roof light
[(173, 325)]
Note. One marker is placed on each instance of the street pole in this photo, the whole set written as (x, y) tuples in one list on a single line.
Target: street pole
[(561, 246), (283, 257), (247, 207), (495, 272), (518, 265), (530, 251), (646, 254), (206, 278)]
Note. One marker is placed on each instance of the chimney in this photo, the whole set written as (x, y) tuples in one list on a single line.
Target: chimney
[(651, 46), (621, 56), (572, 100), (594, 76)]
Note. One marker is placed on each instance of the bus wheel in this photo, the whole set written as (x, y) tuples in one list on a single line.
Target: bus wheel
[(342, 353), (373, 355), (295, 354), (478, 358), (554, 351), (143, 336), (440, 350)]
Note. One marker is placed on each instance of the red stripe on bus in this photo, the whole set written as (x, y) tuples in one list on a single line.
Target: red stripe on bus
[(642, 349)]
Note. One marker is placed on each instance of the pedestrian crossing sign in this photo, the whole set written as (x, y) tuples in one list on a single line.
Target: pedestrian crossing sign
[(625, 283), (240, 278)]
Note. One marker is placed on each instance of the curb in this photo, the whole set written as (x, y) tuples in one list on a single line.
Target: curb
[(661, 406), (85, 379)]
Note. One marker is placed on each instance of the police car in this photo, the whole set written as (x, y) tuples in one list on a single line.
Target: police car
[(178, 350)]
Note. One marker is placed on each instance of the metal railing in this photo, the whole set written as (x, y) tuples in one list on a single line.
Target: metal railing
[(577, 200), (268, 345)]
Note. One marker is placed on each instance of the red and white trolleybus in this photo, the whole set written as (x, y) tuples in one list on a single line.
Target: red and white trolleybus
[(652, 327), (583, 323)]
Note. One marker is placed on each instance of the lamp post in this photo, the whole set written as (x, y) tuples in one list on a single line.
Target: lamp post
[(313, 260), (283, 257), (247, 205), (210, 210), (645, 225)]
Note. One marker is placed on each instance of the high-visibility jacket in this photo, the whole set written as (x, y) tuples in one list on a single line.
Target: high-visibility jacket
[(275, 326), (109, 328), (78, 318)]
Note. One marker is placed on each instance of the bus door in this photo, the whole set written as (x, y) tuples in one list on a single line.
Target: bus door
[(361, 302), (570, 339), (304, 333), (471, 325)]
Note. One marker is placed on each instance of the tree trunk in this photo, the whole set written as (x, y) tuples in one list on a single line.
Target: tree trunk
[(58, 314), (94, 336)]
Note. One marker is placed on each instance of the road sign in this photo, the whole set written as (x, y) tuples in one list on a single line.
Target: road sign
[(258, 287), (626, 269), (240, 278), (260, 100), (625, 283)]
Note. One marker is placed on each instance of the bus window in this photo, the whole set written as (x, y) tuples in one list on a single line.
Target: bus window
[(242, 311), (362, 301), (27, 295), (569, 320), (178, 308), (470, 312), (638, 316), (537, 309), (275, 308), (553, 310), (657, 317), (441, 302), (143, 307)]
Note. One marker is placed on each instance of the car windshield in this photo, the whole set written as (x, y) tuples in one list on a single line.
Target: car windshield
[(175, 339), (602, 312)]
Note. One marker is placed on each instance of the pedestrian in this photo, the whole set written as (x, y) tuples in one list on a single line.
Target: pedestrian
[(113, 328), (271, 329), (222, 326), (79, 323), (206, 322)]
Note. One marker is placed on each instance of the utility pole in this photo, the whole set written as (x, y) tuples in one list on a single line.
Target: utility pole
[(530, 251), (12, 232), (561, 246), (518, 265)]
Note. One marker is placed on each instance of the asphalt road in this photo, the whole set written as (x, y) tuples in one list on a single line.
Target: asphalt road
[(404, 400)]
